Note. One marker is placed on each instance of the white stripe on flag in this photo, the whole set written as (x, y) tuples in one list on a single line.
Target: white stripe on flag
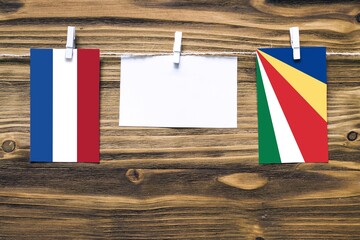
[(64, 107), (288, 148)]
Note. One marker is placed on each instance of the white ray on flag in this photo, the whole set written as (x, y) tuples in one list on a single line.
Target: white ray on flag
[(288, 149)]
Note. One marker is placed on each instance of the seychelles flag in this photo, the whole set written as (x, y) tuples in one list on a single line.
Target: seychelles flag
[(292, 114), (64, 105)]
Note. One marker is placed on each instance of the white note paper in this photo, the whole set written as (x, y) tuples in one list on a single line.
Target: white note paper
[(200, 92)]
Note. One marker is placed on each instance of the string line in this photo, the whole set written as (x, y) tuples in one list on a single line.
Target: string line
[(129, 54)]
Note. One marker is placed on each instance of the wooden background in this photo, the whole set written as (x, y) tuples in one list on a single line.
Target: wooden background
[(180, 183)]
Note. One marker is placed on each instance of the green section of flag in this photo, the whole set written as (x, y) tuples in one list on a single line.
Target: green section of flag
[(268, 149)]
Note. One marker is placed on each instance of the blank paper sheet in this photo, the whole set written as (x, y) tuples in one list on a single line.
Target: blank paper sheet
[(200, 92)]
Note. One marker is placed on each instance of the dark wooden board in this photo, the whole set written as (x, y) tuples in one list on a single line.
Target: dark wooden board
[(180, 183)]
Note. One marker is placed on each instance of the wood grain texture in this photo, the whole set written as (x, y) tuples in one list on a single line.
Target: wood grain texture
[(168, 183)]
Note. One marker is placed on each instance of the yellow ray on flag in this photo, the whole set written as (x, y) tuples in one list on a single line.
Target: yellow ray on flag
[(311, 89)]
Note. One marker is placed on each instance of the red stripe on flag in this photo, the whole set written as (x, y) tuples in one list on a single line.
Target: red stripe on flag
[(88, 105), (308, 127)]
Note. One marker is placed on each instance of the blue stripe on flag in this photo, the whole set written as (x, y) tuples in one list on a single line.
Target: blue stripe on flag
[(41, 104)]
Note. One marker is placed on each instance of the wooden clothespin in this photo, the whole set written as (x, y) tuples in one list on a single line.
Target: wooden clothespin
[(70, 42), (177, 47), (295, 42)]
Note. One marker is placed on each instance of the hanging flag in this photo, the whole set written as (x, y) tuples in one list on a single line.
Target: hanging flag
[(292, 116), (64, 105)]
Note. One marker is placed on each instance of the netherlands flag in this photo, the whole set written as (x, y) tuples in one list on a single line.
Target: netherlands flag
[(64, 105)]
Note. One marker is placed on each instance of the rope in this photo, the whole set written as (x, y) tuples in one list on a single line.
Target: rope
[(128, 54)]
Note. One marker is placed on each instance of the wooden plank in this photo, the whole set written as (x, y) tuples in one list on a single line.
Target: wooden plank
[(212, 26), (179, 183), (273, 202)]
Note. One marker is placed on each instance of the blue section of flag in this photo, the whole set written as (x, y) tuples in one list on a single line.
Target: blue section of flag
[(312, 60), (41, 104)]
